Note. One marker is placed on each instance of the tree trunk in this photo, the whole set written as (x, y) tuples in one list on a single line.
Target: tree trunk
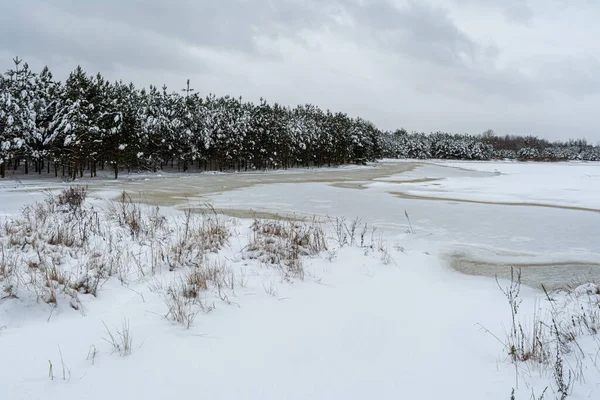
[(74, 171)]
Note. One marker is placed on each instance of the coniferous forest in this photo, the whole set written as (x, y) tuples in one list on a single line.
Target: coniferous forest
[(74, 128)]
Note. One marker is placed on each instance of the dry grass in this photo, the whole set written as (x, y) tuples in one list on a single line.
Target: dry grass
[(40, 245), (185, 297), (355, 233), (183, 303), (549, 343), (8, 273), (128, 214), (61, 247), (120, 340), (197, 235), (72, 197), (283, 243)]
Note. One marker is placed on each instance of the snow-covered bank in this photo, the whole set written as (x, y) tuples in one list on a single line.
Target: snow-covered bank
[(573, 184), (348, 333), (374, 316)]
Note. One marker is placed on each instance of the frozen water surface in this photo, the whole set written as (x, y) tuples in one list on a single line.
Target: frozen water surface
[(482, 216), (543, 216)]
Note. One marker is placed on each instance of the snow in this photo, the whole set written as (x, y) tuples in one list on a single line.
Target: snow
[(562, 184), (360, 324), (320, 340), (587, 289)]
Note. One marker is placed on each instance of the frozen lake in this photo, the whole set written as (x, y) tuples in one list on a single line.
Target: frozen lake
[(484, 216), (481, 217)]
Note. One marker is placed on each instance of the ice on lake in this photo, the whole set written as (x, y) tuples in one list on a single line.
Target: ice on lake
[(482, 217)]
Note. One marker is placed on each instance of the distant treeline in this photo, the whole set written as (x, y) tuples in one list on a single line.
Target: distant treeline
[(88, 123), (486, 146)]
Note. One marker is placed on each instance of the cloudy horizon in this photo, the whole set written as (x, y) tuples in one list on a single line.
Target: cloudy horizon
[(461, 66)]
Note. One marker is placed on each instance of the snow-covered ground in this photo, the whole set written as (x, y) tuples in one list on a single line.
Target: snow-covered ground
[(573, 184), (385, 318)]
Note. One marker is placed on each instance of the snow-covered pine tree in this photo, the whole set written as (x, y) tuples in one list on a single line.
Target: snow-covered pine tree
[(47, 102), (17, 115), (77, 122), (190, 128), (146, 117), (117, 122)]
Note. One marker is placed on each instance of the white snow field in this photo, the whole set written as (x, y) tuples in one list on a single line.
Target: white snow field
[(215, 304)]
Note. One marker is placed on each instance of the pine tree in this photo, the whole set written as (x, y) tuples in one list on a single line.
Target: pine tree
[(17, 114), (77, 121), (47, 102)]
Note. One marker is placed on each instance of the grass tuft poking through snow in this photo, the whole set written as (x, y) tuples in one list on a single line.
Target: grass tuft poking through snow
[(72, 197), (283, 243), (184, 296), (355, 233), (120, 340), (61, 248), (550, 342), (38, 246)]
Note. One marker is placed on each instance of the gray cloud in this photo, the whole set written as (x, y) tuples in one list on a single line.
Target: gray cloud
[(422, 31), (576, 76), (515, 11), (153, 30), (99, 43), (228, 24), (519, 13), (467, 57)]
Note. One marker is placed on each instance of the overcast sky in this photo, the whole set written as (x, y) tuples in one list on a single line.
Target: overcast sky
[(463, 66)]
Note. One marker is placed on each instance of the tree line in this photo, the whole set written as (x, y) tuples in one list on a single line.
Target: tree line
[(486, 146), (88, 123)]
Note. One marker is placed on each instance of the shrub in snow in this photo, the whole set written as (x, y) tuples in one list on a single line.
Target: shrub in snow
[(44, 242), (72, 197), (283, 243)]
